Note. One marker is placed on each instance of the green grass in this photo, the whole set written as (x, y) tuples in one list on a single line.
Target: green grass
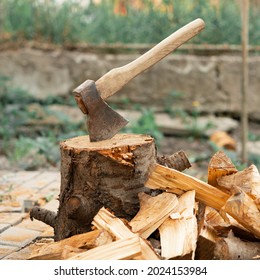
[(71, 22)]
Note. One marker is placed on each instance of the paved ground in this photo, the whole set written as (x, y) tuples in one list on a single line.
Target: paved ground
[(19, 191)]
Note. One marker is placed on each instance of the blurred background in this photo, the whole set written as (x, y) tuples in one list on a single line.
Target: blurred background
[(191, 100)]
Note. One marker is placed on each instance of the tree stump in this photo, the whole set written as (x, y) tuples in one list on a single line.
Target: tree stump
[(108, 173)]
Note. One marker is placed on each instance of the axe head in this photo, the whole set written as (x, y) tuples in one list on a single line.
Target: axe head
[(102, 121)]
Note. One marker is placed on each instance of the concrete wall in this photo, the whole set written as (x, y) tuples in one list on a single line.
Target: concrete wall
[(213, 81)]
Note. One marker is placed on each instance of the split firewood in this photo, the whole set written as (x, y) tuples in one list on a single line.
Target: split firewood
[(243, 209), (223, 224), (178, 233), (178, 161), (248, 180), (123, 249), (153, 212), (207, 236), (177, 182), (117, 227), (69, 251), (215, 221), (233, 248), (120, 230), (219, 166), (206, 243), (84, 241)]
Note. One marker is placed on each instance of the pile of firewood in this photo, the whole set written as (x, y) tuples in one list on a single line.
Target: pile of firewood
[(183, 218)]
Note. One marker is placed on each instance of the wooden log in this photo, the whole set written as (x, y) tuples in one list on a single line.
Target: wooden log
[(219, 166), (44, 215), (206, 244), (248, 180), (178, 234), (206, 236), (215, 221), (178, 161), (242, 208), (121, 230), (84, 241), (153, 212), (233, 248), (69, 252), (107, 173), (123, 249), (222, 224), (223, 140), (176, 182)]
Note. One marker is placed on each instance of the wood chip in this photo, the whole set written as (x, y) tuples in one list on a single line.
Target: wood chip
[(153, 212)]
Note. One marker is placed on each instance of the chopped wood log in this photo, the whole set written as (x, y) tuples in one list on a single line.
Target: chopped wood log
[(121, 230), (223, 224), (257, 203), (86, 241), (242, 208), (179, 235), (124, 249), (176, 182), (233, 248), (215, 221), (107, 173), (223, 140), (206, 236), (248, 180), (206, 244), (178, 161), (153, 212), (219, 165), (69, 252), (117, 227)]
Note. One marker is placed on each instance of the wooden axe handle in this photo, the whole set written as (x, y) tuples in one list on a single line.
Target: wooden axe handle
[(116, 78)]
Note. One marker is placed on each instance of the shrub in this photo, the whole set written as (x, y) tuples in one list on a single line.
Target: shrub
[(71, 21)]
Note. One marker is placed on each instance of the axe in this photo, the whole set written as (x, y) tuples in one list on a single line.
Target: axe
[(102, 121)]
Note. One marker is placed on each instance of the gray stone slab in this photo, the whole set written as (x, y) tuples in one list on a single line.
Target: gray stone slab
[(16, 236), (6, 250), (11, 218), (42, 181), (3, 227)]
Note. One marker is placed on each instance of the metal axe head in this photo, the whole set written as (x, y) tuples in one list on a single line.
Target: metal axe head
[(102, 121)]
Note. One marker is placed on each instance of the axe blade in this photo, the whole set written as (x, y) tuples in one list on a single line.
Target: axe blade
[(102, 121)]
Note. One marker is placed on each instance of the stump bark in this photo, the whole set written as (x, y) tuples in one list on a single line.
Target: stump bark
[(108, 173)]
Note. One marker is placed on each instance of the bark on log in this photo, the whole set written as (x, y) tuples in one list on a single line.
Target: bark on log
[(44, 215), (107, 173), (178, 161), (233, 248)]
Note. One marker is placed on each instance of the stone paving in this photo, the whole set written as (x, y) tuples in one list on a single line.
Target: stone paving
[(19, 191)]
